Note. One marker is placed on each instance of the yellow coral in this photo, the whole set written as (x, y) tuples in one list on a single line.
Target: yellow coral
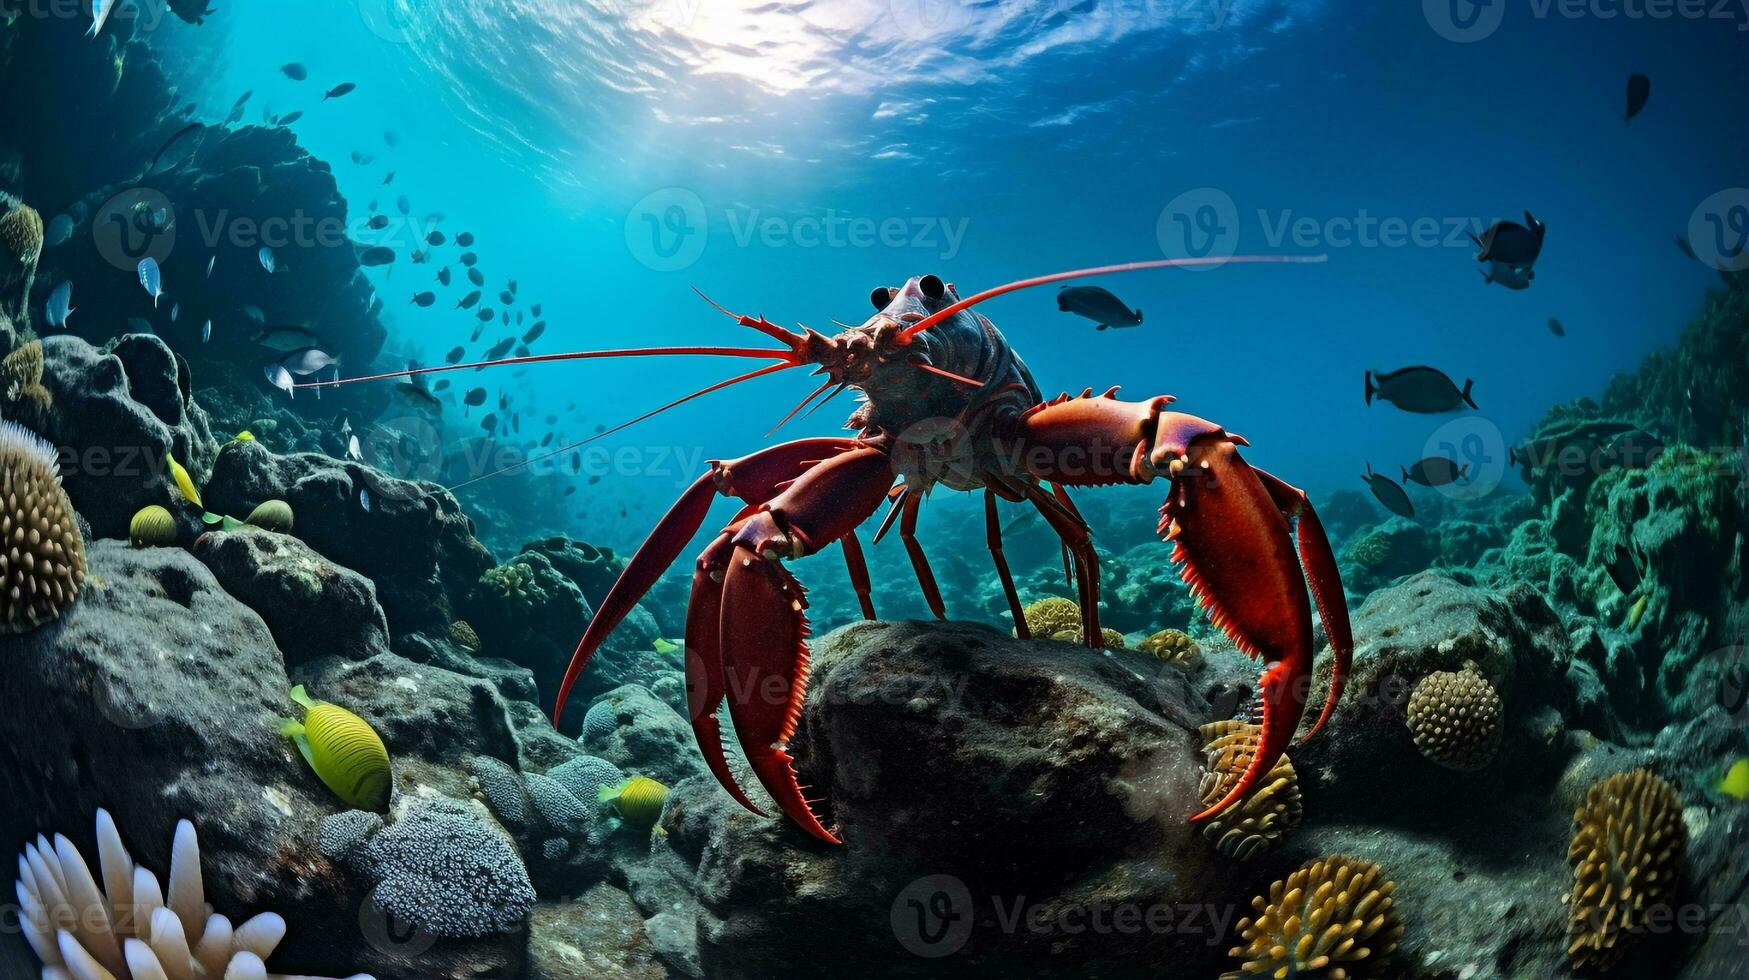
[(1455, 718), (21, 233), (1051, 616), (1078, 635), (1262, 818), (1173, 646), (21, 369), (42, 573), (1332, 918), (1628, 840)]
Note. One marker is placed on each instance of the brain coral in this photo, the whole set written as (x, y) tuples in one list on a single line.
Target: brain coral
[(1332, 918), (1455, 718), (442, 870), (1173, 646), (1256, 823), (1628, 841), (1051, 616), (79, 931), (42, 561)]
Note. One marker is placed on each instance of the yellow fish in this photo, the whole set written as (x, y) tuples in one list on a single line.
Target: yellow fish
[(184, 482), (1735, 782), (665, 646), (1635, 612), (245, 436), (639, 800), (345, 752)]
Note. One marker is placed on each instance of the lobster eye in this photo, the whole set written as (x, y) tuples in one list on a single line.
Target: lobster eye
[(881, 296), (932, 287)]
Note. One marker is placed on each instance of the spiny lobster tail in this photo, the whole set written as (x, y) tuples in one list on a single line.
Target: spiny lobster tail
[(955, 309)]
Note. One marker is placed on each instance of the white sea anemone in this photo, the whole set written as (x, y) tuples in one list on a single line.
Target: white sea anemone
[(130, 929)]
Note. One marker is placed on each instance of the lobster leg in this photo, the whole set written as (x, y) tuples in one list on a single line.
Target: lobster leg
[(858, 569), (763, 625), (1230, 533), (1326, 582), (755, 479), (1079, 544), (993, 536), (919, 561)]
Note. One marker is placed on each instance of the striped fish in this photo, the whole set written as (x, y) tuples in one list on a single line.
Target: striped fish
[(639, 800), (345, 752)]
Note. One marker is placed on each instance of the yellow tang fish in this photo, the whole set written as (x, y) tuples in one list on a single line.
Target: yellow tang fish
[(345, 752), (184, 482), (1735, 782), (665, 646), (1635, 612), (638, 799), (245, 436)]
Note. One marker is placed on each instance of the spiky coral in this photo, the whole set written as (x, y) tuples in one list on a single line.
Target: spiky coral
[(43, 563), (1332, 918), (1272, 809), (1455, 718), (132, 929), (1628, 840), (1174, 647)]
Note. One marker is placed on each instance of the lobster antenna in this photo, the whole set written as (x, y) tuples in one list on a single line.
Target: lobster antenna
[(777, 355), (719, 386), (802, 404), (944, 313)]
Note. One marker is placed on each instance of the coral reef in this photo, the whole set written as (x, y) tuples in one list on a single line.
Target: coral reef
[(21, 387), (1260, 820), (463, 635), (43, 566), (1454, 718), (21, 245), (1333, 918), (313, 606), (1628, 841)]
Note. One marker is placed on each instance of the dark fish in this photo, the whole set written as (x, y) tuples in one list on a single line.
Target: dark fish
[(420, 257), (455, 355), (344, 88), (1512, 243), (379, 255), (1539, 453), (489, 423), (468, 258), (1419, 389), (424, 299), (389, 179), (1623, 572), (1435, 471), (390, 138), (503, 400), (501, 348), (594, 480), (1556, 328), (363, 159), (1388, 493), (519, 318), (601, 428), (506, 318), (1635, 449), (378, 222), (506, 297), (1639, 90), (295, 71), (522, 350), (441, 384), (475, 396), (414, 396), (443, 275), (291, 117), (478, 330), (534, 310), (405, 206), (435, 239), (465, 239), (1099, 305), (476, 277), (485, 314), (467, 302), (1511, 276), (570, 490), (534, 333), (547, 441), (286, 339), (177, 150), (513, 287)]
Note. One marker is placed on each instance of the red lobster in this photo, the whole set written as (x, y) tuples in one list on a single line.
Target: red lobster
[(948, 401)]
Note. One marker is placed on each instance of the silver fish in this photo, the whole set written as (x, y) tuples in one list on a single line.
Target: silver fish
[(279, 377), (60, 229), (353, 452), (267, 260), (209, 266), (60, 305), (151, 279), (307, 361), (206, 332)]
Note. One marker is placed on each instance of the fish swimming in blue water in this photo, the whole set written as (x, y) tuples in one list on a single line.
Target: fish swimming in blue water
[(1388, 493), (60, 229), (1097, 304), (1419, 389), (295, 71), (100, 11), (60, 305), (151, 279), (344, 88), (268, 261), (1639, 91), (279, 377)]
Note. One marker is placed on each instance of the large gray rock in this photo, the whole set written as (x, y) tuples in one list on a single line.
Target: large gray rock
[(957, 761), (313, 606), (636, 731)]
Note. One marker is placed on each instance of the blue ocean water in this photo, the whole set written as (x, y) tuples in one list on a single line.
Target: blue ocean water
[(785, 158)]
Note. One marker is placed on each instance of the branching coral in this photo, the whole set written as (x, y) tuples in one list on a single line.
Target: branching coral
[(1455, 718), (132, 929), (1174, 647), (1272, 809), (515, 584), (1628, 840), (1332, 918), (42, 563)]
